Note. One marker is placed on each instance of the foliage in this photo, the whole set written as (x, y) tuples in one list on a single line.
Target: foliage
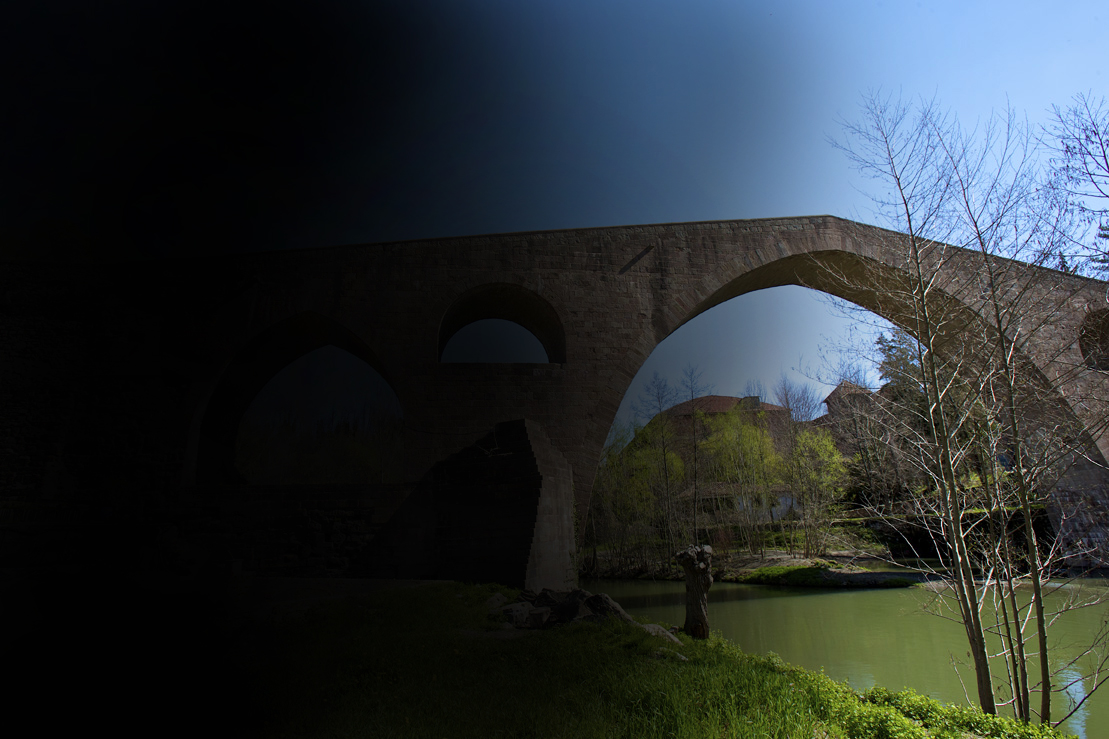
[(744, 458), (719, 475), (953, 721), (815, 471)]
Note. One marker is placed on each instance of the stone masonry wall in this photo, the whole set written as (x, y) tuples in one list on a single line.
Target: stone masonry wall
[(551, 560), (108, 371)]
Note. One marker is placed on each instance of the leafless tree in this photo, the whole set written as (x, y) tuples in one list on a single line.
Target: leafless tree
[(800, 399), (695, 389), (755, 389), (657, 398), (982, 400), (1079, 139)]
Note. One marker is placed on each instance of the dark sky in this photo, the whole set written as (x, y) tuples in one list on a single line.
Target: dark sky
[(139, 128)]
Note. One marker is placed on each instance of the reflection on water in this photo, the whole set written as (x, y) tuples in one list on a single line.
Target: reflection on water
[(868, 637), (1075, 688)]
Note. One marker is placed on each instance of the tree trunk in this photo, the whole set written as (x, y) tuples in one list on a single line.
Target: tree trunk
[(697, 563)]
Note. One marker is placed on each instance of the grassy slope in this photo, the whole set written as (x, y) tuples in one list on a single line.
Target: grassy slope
[(397, 665)]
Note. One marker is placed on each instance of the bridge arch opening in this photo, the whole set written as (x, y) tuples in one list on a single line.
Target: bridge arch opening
[(1093, 340), (326, 417), (494, 340), (278, 357), (501, 322), (737, 344), (835, 273)]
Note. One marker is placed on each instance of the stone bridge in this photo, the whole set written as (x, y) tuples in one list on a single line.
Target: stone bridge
[(122, 386)]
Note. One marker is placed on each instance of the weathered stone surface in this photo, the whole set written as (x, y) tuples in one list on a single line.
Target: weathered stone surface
[(538, 617), (659, 631), (602, 604), (495, 602), (551, 608), (546, 597), (503, 517), (517, 613)]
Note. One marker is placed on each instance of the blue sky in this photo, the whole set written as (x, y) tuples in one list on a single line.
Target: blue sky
[(357, 122), (660, 112)]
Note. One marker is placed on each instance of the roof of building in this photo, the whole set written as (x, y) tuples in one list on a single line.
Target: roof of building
[(721, 404), (845, 387)]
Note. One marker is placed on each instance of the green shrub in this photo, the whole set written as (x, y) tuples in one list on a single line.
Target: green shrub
[(955, 721)]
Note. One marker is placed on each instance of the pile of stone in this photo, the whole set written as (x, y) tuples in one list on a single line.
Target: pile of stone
[(553, 608)]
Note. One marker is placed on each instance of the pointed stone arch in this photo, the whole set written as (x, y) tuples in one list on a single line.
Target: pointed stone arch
[(830, 270), (263, 356)]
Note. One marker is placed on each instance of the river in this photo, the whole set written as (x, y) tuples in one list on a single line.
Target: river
[(868, 637)]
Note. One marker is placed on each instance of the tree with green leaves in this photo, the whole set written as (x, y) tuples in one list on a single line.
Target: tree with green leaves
[(622, 506), (744, 459), (816, 472), (802, 405)]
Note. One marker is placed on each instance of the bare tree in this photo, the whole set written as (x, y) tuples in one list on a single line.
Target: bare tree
[(981, 401), (755, 389), (657, 398), (697, 563), (1079, 138), (694, 388), (800, 399)]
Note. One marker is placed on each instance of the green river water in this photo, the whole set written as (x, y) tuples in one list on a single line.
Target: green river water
[(868, 637)]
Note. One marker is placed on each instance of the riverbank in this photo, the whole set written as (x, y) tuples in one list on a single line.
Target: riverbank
[(839, 569), (429, 661)]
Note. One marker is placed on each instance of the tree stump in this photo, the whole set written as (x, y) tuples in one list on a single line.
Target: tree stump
[(697, 563)]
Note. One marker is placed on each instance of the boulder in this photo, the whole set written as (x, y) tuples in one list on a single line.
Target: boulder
[(603, 605), (494, 604), (538, 617), (551, 608), (517, 613), (573, 606), (656, 630)]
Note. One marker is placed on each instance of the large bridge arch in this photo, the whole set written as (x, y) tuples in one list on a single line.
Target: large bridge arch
[(867, 273), (862, 264)]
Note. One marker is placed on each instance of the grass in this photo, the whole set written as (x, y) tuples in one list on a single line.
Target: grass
[(818, 575), (798, 575), (396, 664)]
